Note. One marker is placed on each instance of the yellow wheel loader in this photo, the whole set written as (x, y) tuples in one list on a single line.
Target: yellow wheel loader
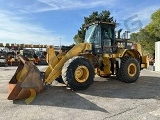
[(76, 66)]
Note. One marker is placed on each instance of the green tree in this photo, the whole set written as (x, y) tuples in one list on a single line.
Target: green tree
[(147, 41), (134, 37), (149, 34), (104, 16), (154, 26)]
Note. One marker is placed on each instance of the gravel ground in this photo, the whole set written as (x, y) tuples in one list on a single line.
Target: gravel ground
[(105, 99)]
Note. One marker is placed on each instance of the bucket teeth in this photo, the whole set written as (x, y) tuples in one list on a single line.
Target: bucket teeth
[(26, 82)]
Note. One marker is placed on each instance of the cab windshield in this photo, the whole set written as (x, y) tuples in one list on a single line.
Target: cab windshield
[(89, 33)]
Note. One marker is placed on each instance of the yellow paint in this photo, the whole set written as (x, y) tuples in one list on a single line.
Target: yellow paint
[(81, 74), (51, 59), (21, 73), (48, 71), (137, 47), (102, 73), (132, 69), (107, 65), (31, 97), (145, 61)]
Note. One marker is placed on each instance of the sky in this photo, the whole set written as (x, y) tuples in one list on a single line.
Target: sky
[(55, 22)]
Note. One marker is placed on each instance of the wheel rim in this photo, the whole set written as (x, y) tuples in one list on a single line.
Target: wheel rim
[(81, 74), (132, 69)]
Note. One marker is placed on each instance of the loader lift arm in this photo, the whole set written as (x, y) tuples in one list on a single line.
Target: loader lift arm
[(55, 65)]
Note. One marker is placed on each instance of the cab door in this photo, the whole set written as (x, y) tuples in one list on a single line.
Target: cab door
[(107, 36), (96, 42)]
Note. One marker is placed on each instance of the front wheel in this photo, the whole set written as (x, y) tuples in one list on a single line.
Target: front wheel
[(78, 73)]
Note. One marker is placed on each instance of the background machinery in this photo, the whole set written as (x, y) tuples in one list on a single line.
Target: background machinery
[(76, 66), (31, 55)]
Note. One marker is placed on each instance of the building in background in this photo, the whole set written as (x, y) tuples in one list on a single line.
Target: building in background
[(157, 56)]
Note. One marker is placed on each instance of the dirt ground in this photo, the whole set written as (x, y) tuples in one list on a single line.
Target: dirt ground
[(105, 99)]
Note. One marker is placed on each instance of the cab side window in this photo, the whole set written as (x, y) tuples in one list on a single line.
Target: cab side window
[(97, 36)]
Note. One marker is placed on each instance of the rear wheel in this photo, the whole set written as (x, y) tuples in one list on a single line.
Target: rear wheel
[(129, 70), (78, 73)]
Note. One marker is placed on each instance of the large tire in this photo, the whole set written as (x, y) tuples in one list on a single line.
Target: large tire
[(129, 70), (78, 73)]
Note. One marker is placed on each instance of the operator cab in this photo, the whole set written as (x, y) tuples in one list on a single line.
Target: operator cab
[(102, 37)]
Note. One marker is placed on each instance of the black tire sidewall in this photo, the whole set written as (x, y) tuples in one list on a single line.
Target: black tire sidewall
[(72, 82), (124, 76)]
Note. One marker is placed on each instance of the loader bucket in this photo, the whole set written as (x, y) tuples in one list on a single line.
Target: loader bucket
[(26, 82)]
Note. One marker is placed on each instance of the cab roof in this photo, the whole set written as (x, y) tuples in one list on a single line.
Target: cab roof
[(99, 22)]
